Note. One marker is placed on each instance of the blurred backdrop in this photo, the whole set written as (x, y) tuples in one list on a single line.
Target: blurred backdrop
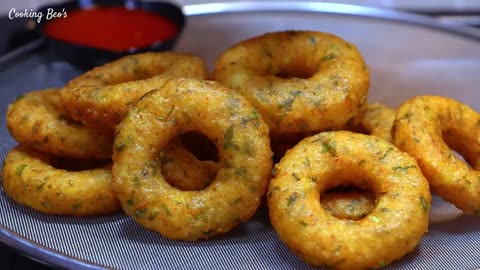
[(418, 5)]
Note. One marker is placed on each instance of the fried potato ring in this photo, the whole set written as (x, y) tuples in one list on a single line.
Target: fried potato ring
[(228, 120), (393, 228), (29, 178), (348, 203), (299, 80), (281, 142), (425, 126), (183, 170), (378, 121), (101, 97), (38, 119)]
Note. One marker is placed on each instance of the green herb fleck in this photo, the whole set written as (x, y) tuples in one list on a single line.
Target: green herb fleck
[(165, 209), (130, 202), (122, 145), (295, 176), (248, 148), (210, 232), (228, 139), (40, 187), (20, 169), (153, 215), (403, 168), (136, 182), (374, 218), (382, 264), (313, 40), (330, 147), (140, 212), (307, 162), (386, 153), (329, 56), (46, 204), (274, 172), (286, 104), (292, 198), (180, 200), (424, 204), (165, 117), (241, 171)]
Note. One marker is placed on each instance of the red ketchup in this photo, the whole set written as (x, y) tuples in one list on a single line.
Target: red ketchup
[(111, 28)]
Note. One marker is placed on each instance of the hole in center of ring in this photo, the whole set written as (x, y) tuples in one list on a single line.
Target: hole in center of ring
[(301, 68), (348, 202), (190, 161), (295, 72)]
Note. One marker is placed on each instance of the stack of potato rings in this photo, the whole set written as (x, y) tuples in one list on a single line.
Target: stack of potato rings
[(127, 136)]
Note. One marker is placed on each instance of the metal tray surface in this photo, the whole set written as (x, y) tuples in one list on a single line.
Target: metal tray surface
[(408, 55)]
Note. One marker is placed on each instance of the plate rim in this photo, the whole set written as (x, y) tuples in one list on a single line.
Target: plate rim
[(59, 259), (329, 8)]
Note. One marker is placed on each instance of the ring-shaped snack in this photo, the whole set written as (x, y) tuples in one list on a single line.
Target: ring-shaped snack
[(31, 178), (299, 81), (101, 97), (425, 127), (183, 170), (330, 159), (378, 121), (345, 203), (38, 120), (229, 121)]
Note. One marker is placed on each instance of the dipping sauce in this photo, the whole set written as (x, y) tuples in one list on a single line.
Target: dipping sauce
[(111, 28)]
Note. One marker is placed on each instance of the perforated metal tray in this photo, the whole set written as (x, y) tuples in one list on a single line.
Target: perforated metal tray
[(408, 55)]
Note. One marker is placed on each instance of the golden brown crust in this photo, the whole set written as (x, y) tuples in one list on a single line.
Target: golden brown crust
[(38, 119), (393, 228), (101, 97), (422, 126), (378, 121), (228, 120), (29, 178), (300, 81), (183, 170), (348, 204)]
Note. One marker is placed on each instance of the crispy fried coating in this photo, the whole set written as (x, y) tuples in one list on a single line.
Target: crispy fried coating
[(350, 203), (183, 170), (32, 178), (101, 97), (378, 120), (228, 120), (330, 159), (300, 81), (425, 127), (38, 119)]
